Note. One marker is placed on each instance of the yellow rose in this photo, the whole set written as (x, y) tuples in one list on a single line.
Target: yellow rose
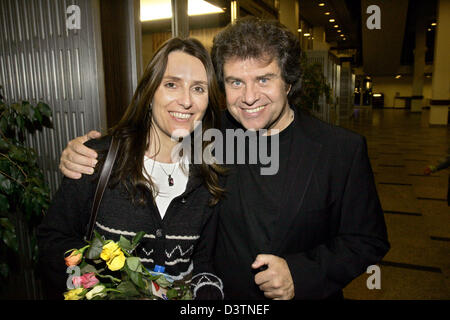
[(73, 294), (117, 261), (114, 257), (108, 250)]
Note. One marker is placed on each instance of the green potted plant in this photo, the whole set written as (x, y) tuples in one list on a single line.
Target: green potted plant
[(314, 85), (24, 196)]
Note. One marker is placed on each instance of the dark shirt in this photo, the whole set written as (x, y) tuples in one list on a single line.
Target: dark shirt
[(251, 208)]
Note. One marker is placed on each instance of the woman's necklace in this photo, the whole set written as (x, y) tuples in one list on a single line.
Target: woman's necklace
[(169, 176)]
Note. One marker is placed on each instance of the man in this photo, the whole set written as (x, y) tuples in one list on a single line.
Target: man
[(311, 228)]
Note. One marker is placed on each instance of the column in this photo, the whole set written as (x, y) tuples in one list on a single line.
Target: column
[(180, 18), (122, 54), (289, 13), (419, 66), (440, 87), (319, 39)]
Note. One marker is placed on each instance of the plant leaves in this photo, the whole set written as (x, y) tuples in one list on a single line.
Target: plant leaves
[(138, 238), (128, 289), (125, 244), (134, 264), (95, 249)]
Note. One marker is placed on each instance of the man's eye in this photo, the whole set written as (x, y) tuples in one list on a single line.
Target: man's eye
[(263, 80), (236, 83)]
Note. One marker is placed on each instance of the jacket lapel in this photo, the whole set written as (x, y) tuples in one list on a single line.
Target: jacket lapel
[(303, 155)]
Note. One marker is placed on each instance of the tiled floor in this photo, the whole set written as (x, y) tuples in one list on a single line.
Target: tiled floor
[(400, 145)]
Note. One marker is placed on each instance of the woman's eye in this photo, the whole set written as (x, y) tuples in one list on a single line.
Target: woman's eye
[(170, 85), (199, 89)]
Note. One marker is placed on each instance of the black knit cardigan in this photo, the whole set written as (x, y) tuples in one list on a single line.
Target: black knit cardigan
[(182, 242)]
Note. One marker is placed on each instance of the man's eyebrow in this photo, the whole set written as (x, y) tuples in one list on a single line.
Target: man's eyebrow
[(231, 78), (267, 75)]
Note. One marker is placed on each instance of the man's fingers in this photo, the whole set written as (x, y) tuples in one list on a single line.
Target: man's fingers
[(261, 259), (77, 146), (93, 135), (263, 277), (69, 174), (71, 166)]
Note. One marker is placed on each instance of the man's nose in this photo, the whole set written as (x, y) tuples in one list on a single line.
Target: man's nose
[(251, 94)]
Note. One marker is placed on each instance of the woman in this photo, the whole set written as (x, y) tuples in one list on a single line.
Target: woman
[(170, 201)]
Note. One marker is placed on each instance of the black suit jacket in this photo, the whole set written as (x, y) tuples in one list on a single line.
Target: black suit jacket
[(330, 225)]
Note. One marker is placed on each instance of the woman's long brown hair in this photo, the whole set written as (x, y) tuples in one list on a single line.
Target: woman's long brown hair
[(134, 127)]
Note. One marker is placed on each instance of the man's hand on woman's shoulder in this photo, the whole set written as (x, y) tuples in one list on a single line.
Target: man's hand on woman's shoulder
[(77, 159)]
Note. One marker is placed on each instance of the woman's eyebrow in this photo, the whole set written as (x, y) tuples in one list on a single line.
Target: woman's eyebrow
[(174, 78)]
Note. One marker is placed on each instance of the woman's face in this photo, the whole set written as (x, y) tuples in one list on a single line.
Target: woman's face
[(182, 97)]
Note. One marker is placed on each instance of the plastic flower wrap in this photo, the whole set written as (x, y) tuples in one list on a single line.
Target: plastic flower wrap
[(107, 270)]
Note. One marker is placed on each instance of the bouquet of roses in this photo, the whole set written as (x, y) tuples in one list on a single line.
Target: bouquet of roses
[(104, 269)]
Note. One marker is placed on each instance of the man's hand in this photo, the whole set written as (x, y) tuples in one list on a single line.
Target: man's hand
[(276, 281), (78, 159)]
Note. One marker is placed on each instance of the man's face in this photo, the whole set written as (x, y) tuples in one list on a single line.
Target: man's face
[(256, 93)]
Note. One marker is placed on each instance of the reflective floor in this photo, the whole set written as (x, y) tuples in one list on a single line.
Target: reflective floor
[(400, 145)]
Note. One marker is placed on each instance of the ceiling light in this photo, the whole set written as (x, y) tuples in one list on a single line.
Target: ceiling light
[(332, 20), (342, 35), (429, 29), (398, 76), (344, 38), (299, 30), (327, 13), (339, 31), (162, 9), (321, 4), (434, 24), (336, 26), (306, 34)]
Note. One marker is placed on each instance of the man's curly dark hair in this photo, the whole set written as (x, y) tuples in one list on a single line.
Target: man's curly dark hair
[(251, 37)]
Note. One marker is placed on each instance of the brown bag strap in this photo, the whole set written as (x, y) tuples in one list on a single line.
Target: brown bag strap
[(102, 183)]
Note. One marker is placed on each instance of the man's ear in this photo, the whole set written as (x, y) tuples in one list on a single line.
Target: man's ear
[(288, 88)]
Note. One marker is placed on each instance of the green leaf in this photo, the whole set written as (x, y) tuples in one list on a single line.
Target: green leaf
[(163, 282), (44, 109), (95, 249), (138, 238), (4, 270), (88, 268), (4, 203), (128, 289), (136, 277), (5, 185), (134, 264), (171, 294), (125, 244)]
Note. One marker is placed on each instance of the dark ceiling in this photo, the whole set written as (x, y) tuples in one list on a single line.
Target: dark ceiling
[(381, 51), (391, 47)]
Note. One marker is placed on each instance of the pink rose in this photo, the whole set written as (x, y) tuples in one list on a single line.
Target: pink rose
[(88, 280), (76, 281)]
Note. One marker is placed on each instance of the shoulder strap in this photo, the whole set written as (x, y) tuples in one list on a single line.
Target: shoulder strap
[(102, 183)]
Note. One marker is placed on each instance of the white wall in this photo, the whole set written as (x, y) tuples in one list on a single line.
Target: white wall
[(389, 86)]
